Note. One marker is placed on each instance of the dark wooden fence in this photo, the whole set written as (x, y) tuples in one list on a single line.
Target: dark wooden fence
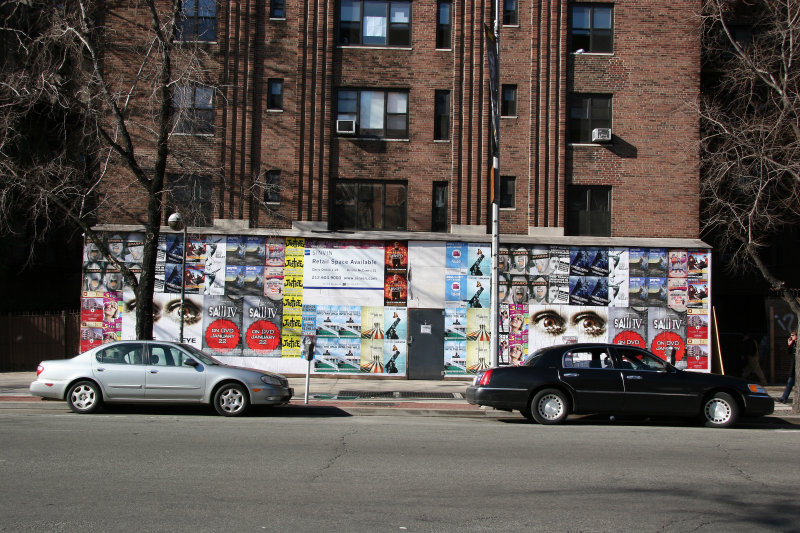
[(27, 339)]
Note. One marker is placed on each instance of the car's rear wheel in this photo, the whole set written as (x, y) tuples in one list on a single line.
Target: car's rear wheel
[(549, 406), (720, 410), (526, 412), (84, 397), (231, 399)]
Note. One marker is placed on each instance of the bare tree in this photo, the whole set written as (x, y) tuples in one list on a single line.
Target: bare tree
[(91, 113), (751, 132)]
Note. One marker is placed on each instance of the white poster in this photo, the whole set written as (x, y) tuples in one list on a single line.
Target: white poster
[(343, 265)]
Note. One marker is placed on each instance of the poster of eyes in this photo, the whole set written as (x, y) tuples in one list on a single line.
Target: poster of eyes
[(249, 297), (653, 298)]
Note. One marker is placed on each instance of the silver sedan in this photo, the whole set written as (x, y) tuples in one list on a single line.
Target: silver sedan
[(156, 371)]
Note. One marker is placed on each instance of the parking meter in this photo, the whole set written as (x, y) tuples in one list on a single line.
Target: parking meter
[(308, 348), (308, 353)]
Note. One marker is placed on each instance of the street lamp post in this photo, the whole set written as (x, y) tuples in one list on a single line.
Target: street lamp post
[(176, 223)]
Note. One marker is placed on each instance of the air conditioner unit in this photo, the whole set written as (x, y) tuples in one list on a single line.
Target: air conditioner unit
[(347, 127), (600, 135)]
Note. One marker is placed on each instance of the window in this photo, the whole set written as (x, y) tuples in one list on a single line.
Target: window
[(272, 189), (587, 112), (370, 205), (198, 21), (589, 211), (508, 106), (439, 199), (508, 192), (375, 22), (382, 114), (277, 9), (275, 94), (510, 13), (190, 195), (632, 359), (591, 28), (121, 354), (193, 109), (441, 116), (166, 356), (588, 358), (444, 24)]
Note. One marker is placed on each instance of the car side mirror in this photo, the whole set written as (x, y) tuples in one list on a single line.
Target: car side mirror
[(191, 362)]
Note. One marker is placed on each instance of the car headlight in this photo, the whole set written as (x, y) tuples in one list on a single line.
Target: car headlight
[(271, 380), (758, 389)]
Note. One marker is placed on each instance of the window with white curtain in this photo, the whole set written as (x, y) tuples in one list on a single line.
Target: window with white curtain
[(378, 113), (374, 22)]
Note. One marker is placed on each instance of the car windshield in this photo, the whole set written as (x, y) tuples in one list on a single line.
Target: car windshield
[(204, 358)]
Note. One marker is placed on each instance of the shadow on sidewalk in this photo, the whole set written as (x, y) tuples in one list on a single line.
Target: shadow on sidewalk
[(255, 411)]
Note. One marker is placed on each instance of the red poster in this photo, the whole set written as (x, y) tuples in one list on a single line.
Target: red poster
[(222, 335), (92, 307), (396, 255), (395, 290), (263, 336), (91, 337), (668, 339), (630, 338), (697, 332)]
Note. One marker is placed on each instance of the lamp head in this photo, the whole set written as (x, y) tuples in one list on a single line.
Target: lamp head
[(175, 222)]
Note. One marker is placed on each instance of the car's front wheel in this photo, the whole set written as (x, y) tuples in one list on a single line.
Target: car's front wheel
[(720, 410), (549, 406), (231, 399), (84, 397)]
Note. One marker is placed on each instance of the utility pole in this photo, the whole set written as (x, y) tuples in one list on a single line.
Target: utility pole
[(493, 57)]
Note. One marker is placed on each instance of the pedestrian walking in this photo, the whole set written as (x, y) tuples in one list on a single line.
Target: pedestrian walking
[(752, 365), (790, 382)]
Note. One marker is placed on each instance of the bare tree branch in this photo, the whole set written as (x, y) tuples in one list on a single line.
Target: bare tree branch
[(87, 121), (750, 120)]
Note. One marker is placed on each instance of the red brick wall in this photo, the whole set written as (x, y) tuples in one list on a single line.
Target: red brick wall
[(653, 75)]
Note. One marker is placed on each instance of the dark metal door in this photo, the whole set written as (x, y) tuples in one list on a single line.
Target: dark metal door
[(425, 343)]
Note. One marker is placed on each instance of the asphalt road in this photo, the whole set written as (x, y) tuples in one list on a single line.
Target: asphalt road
[(188, 470)]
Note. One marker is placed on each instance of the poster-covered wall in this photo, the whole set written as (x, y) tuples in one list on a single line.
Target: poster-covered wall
[(262, 301), (653, 298)]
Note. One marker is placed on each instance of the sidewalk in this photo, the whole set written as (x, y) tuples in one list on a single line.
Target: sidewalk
[(353, 395), (358, 395)]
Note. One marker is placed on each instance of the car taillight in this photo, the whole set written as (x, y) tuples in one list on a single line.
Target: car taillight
[(39, 370), (485, 378)]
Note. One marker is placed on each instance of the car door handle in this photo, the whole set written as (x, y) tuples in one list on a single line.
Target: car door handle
[(153, 371), (100, 369), (633, 377), (571, 375)]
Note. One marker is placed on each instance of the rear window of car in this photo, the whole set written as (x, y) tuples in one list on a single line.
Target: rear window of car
[(534, 358), (121, 354)]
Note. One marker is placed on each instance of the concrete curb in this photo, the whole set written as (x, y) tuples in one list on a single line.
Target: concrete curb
[(326, 408)]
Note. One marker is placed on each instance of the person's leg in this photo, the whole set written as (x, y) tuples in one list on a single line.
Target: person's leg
[(788, 390), (760, 374), (748, 368)]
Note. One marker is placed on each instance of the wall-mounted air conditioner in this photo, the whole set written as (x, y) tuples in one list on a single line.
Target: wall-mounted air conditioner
[(601, 135), (345, 127)]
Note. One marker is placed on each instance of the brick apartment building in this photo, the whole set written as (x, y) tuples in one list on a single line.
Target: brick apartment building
[(333, 159), (373, 115)]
